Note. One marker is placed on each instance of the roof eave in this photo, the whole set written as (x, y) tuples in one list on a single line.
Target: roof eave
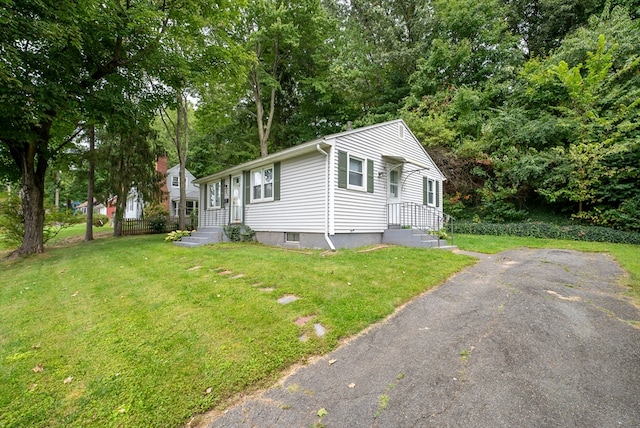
[(289, 153)]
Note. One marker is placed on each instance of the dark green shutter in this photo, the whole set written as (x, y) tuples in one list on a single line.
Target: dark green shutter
[(276, 181), (342, 170), (437, 193), (425, 191), (222, 192), (369, 176), (247, 187)]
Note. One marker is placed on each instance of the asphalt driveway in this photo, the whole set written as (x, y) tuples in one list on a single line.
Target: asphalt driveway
[(525, 338)]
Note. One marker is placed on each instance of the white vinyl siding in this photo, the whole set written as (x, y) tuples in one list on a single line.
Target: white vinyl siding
[(301, 204), (361, 212)]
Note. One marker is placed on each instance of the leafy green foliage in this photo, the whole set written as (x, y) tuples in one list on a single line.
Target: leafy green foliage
[(239, 233), (549, 230), (12, 226), (177, 235), (100, 220)]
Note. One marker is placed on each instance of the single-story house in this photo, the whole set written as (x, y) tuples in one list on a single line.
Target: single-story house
[(344, 190)]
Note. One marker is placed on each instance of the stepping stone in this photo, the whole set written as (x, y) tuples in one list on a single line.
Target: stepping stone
[(240, 275), (303, 320), (266, 290), (319, 329), (287, 299), (225, 272), (194, 268), (303, 338)]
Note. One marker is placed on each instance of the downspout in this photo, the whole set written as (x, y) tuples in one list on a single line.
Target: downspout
[(326, 200)]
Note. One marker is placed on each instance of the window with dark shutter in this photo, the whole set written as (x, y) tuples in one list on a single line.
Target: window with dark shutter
[(342, 169)]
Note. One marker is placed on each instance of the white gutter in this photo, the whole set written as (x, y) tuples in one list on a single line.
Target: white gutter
[(326, 200)]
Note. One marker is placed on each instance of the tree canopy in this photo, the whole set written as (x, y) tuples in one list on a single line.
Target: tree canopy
[(524, 104)]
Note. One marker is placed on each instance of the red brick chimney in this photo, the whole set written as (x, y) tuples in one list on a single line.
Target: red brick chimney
[(161, 167)]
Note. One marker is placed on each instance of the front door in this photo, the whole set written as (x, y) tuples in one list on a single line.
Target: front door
[(236, 199), (393, 196)]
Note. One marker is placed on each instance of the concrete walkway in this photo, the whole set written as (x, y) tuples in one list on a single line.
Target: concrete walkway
[(525, 338)]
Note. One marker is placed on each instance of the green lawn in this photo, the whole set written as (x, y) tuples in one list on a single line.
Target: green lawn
[(138, 332)]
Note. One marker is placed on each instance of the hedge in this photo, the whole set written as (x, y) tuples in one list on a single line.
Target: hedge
[(550, 230)]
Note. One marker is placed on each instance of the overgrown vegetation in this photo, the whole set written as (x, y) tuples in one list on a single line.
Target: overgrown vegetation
[(132, 332), (550, 230)]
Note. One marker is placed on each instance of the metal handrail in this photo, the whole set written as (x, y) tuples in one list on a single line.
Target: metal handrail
[(427, 219)]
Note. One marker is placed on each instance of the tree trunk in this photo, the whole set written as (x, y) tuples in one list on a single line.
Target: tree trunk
[(92, 144), (180, 125), (264, 129), (121, 203), (33, 159), (33, 209)]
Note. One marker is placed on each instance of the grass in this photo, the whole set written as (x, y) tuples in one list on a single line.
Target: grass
[(138, 332), (625, 254)]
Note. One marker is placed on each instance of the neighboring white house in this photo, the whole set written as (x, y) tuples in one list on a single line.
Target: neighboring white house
[(135, 203), (98, 208), (173, 185), (343, 190)]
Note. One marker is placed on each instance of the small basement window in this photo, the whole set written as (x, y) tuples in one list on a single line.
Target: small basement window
[(292, 237)]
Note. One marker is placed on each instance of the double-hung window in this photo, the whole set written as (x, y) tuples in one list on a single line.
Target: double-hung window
[(215, 195), (431, 195), (262, 184), (356, 172), (175, 181)]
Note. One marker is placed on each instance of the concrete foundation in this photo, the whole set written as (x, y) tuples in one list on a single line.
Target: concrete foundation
[(317, 240)]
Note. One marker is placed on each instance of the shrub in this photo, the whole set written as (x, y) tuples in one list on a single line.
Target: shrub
[(177, 235), (158, 224), (100, 220), (157, 215), (12, 220), (549, 230), (239, 233)]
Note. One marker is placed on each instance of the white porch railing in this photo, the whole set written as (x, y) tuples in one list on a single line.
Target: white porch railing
[(409, 215)]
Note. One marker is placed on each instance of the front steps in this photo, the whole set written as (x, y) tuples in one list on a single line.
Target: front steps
[(413, 238), (208, 235)]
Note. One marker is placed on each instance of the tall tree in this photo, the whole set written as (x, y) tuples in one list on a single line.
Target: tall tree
[(178, 132), (128, 152), (54, 55)]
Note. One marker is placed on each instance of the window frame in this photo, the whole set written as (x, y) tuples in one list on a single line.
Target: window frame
[(211, 202), (431, 192), (289, 237), (263, 186), (363, 173), (175, 181), (396, 184)]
